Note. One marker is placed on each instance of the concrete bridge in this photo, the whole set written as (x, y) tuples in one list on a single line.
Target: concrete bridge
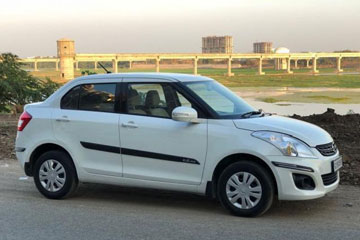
[(67, 58)]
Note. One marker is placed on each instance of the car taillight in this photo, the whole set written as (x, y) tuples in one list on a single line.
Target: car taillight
[(24, 120)]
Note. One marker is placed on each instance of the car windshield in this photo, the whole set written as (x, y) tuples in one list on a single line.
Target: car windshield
[(220, 99)]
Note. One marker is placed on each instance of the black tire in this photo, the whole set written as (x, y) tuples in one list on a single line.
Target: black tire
[(71, 180), (265, 180)]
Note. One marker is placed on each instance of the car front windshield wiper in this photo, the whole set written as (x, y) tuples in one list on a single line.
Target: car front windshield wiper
[(252, 113)]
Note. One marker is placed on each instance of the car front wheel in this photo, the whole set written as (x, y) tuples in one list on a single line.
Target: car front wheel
[(246, 189)]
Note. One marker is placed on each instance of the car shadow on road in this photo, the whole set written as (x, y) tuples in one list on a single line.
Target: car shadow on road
[(186, 201)]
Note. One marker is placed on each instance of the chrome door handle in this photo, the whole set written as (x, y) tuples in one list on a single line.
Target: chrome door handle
[(62, 119), (130, 124)]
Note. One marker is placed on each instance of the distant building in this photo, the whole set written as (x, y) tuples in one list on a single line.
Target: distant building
[(281, 63), (66, 53), (262, 47), (217, 44)]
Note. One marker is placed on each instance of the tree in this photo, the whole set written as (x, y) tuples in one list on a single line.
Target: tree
[(18, 87), (87, 72)]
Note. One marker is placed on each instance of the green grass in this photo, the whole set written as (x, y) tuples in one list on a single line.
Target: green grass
[(249, 78), (305, 81), (329, 98), (344, 97), (269, 100)]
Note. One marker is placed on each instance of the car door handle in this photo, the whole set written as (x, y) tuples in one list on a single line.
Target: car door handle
[(130, 124), (62, 119)]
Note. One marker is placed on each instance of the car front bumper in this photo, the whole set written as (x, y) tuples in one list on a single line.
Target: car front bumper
[(317, 169)]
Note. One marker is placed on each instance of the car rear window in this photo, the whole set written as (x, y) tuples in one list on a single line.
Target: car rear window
[(71, 99), (91, 97), (97, 97)]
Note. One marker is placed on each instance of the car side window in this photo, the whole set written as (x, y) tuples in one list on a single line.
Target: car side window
[(183, 101), (71, 99), (153, 99), (98, 97)]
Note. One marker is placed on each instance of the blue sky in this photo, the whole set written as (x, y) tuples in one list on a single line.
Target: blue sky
[(31, 28)]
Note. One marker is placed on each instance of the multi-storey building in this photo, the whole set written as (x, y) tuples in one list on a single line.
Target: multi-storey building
[(217, 44), (262, 47)]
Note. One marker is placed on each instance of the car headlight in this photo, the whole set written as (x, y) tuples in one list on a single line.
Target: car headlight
[(288, 145)]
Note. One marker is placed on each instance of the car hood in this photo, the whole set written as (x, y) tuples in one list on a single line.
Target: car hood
[(307, 132)]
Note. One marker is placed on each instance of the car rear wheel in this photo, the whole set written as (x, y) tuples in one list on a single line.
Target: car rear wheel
[(55, 175), (246, 189)]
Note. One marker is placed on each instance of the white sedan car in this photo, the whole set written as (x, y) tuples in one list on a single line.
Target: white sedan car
[(176, 132)]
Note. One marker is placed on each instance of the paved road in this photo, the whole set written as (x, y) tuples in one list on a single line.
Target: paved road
[(107, 212)]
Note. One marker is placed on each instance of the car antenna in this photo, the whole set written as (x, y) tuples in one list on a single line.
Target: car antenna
[(107, 71)]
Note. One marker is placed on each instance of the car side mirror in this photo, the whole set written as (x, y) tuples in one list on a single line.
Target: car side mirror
[(185, 114)]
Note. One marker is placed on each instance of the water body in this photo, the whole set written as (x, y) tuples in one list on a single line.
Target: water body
[(285, 108), (302, 109)]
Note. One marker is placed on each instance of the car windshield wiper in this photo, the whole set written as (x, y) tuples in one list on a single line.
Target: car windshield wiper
[(252, 113)]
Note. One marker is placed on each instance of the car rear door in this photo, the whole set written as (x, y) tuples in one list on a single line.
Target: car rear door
[(88, 125), (154, 146)]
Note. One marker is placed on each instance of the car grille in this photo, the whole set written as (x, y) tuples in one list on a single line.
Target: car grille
[(328, 149), (329, 178)]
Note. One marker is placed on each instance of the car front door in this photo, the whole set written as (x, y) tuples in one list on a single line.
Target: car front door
[(88, 125), (153, 145)]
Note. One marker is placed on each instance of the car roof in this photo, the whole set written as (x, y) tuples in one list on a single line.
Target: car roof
[(176, 77)]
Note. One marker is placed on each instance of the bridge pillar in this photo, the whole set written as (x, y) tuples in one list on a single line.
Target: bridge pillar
[(77, 65), (314, 67), (35, 66), (295, 63), (115, 65), (130, 64), (195, 66), (95, 65), (229, 73), (157, 64), (288, 67), (307, 63), (260, 71), (338, 65), (57, 66)]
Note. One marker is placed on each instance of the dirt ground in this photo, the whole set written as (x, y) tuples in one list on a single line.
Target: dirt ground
[(344, 129), (8, 125)]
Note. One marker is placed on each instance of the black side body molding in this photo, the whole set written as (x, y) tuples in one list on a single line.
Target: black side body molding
[(160, 156), (138, 153), (100, 147)]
